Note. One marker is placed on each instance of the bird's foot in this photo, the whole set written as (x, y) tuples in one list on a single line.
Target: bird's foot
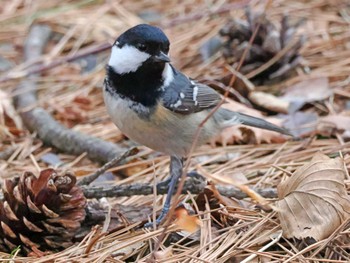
[(159, 219), (166, 208), (176, 165)]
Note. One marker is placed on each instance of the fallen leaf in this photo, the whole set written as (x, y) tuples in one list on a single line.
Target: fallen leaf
[(301, 124), (313, 201), (330, 123), (246, 134), (186, 222), (269, 101), (307, 91)]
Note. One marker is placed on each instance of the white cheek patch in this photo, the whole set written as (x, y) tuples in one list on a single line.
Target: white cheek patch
[(126, 59), (167, 75)]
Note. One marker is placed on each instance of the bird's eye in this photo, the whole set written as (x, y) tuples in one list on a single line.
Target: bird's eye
[(141, 47), (166, 48)]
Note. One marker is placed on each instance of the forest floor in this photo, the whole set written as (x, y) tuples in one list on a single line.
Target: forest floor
[(264, 197)]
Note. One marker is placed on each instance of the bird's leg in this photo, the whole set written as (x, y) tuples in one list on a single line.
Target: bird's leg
[(176, 167)]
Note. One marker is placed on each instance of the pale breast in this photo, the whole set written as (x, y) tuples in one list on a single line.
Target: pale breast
[(163, 131)]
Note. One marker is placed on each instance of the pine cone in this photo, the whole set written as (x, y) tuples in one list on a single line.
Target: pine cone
[(268, 42), (41, 213)]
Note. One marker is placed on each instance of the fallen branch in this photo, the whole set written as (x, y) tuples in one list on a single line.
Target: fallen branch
[(194, 185), (42, 123)]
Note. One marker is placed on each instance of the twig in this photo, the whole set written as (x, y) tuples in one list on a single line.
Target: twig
[(115, 161), (193, 185), (46, 127)]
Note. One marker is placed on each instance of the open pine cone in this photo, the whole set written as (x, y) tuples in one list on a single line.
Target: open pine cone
[(41, 213), (268, 42)]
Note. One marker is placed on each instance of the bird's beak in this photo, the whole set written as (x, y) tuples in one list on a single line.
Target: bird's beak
[(161, 57)]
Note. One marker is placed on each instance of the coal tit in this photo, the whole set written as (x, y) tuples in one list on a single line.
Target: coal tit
[(156, 105)]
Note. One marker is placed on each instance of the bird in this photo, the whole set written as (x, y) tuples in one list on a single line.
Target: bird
[(156, 105)]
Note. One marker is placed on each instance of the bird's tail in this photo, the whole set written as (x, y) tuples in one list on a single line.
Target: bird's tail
[(245, 119), (260, 123)]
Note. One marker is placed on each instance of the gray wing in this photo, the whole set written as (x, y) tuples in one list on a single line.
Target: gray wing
[(187, 96)]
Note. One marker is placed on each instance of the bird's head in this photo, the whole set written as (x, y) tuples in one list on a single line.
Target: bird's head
[(139, 45)]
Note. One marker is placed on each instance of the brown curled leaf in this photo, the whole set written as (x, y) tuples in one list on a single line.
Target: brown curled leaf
[(313, 201)]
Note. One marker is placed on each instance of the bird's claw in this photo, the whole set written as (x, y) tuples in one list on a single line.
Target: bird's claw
[(159, 219)]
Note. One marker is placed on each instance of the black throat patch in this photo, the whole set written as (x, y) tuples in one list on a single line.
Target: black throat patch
[(142, 86)]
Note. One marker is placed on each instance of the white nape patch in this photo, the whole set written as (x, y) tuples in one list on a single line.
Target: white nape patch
[(167, 75), (126, 59), (195, 93)]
